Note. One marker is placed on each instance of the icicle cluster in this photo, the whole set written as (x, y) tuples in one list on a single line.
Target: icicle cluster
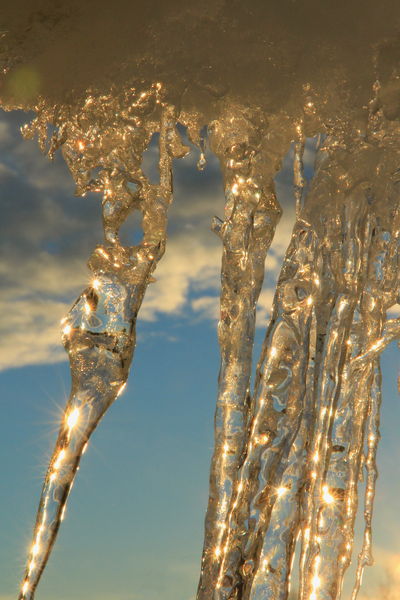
[(288, 455), (313, 418)]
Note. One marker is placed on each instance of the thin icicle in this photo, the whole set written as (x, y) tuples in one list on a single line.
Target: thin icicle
[(390, 333), (365, 557), (298, 173)]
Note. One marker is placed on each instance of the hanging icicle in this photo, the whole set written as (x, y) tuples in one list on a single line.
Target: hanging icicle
[(252, 213), (99, 331)]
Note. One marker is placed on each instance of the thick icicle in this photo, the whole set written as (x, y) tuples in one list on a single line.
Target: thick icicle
[(252, 213), (276, 413), (99, 330), (269, 554)]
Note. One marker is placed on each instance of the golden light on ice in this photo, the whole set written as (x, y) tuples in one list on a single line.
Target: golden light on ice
[(304, 418), (327, 496), (73, 418)]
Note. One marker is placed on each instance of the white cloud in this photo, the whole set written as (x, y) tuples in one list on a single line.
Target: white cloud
[(188, 261), (394, 311), (206, 306), (41, 173), (31, 333), (264, 307), (32, 305)]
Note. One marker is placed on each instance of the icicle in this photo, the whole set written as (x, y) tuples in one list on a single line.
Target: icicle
[(99, 330), (373, 436), (334, 520), (298, 171), (390, 333), (269, 553), (247, 231), (276, 412), (382, 291), (341, 475), (328, 387), (277, 408)]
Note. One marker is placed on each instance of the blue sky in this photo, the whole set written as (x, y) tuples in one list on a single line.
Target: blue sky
[(134, 523)]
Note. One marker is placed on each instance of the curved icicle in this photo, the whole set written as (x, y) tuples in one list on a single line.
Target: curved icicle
[(99, 340), (99, 336), (251, 215)]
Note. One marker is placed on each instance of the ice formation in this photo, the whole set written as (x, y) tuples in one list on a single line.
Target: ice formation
[(290, 453)]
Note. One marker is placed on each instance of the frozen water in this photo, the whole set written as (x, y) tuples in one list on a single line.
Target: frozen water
[(289, 454), (99, 331)]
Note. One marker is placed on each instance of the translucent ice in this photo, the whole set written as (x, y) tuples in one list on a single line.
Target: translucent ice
[(99, 331), (288, 454)]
